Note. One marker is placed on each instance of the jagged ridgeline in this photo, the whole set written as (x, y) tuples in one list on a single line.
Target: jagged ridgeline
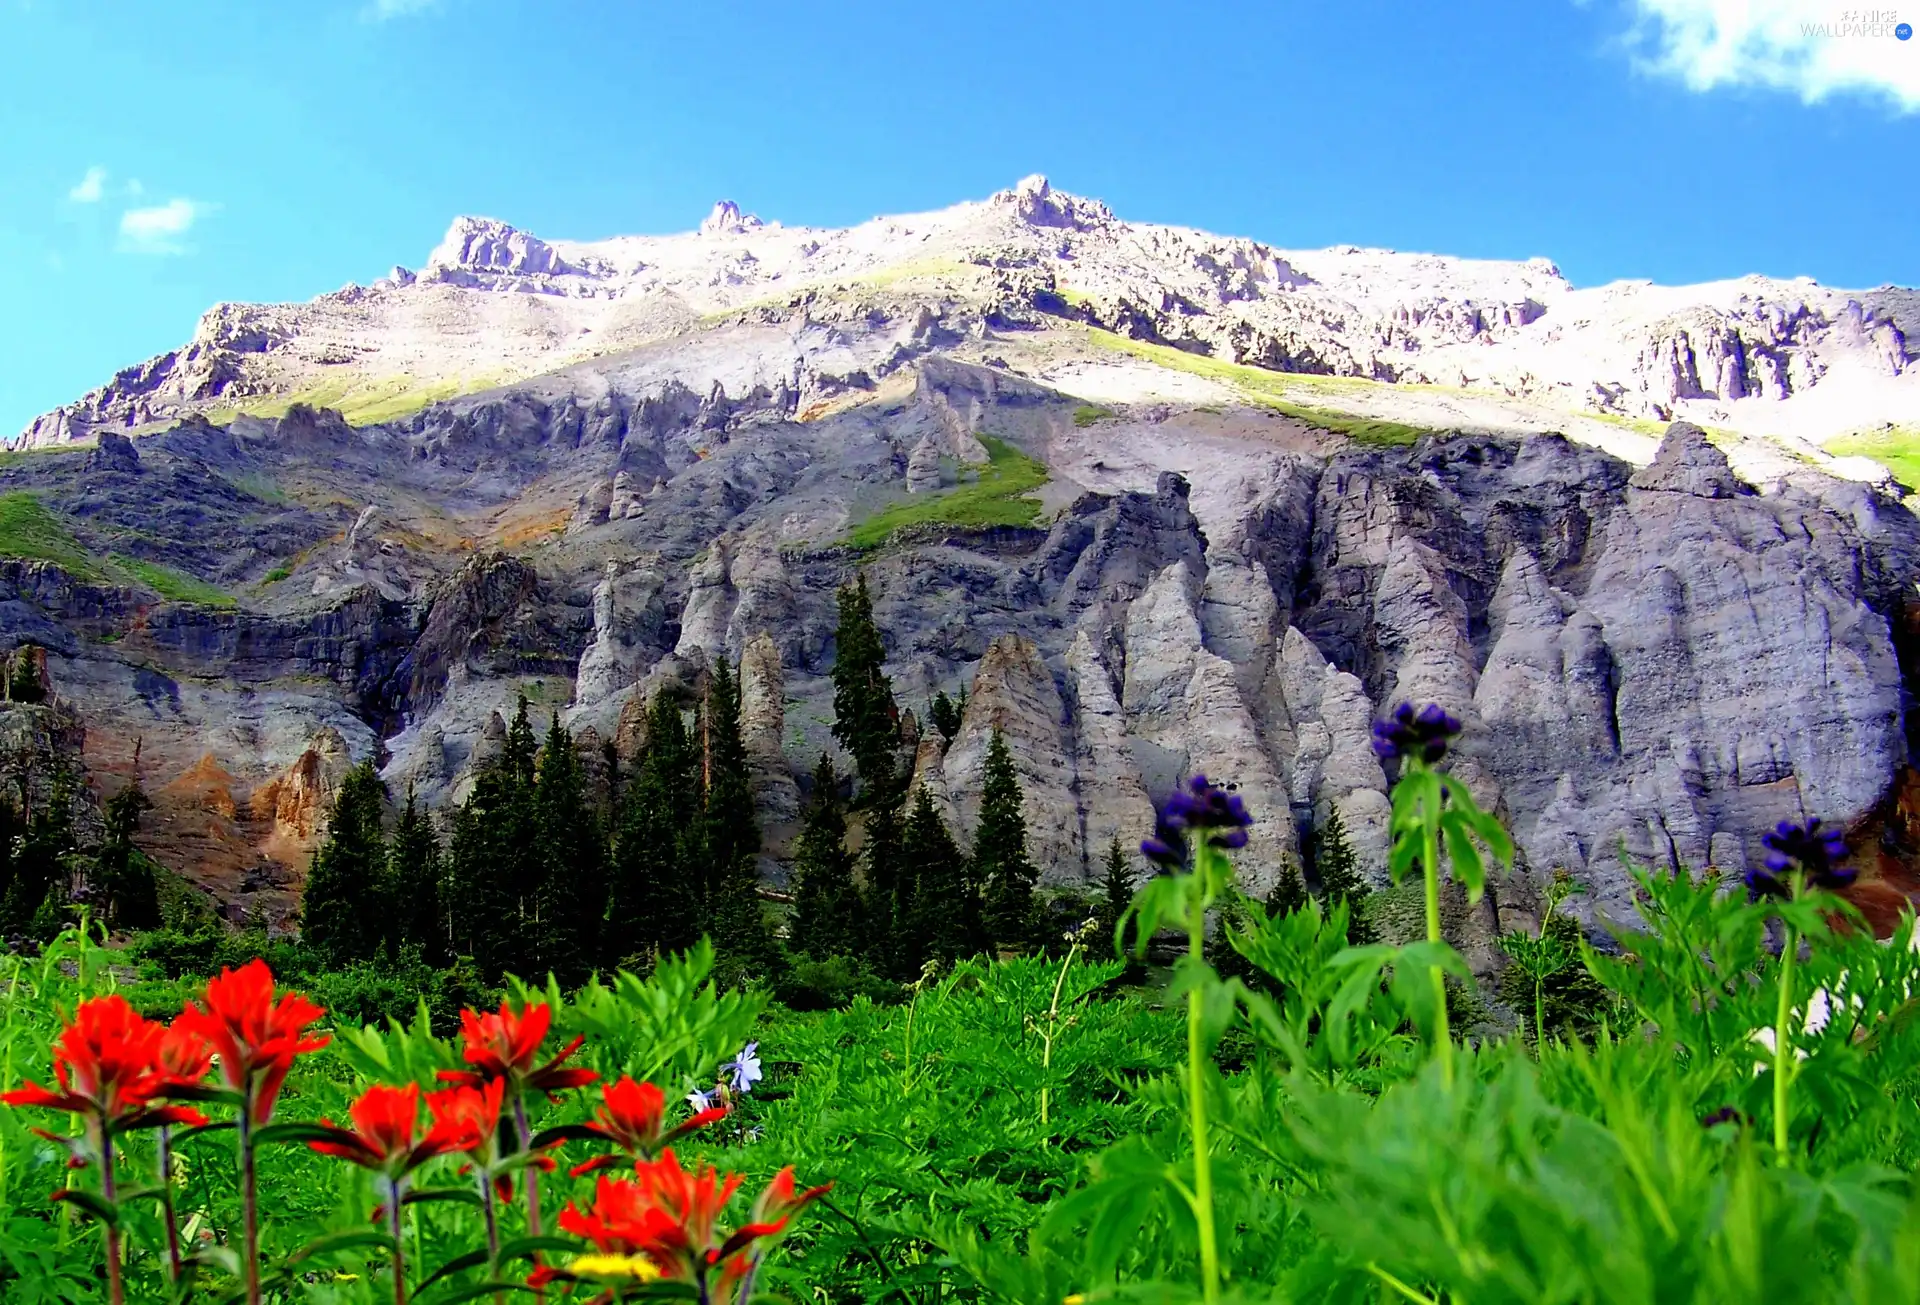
[(1093, 561)]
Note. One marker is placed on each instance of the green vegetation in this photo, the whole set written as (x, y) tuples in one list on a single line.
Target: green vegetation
[(1086, 414), (1897, 448), (996, 497), (363, 402), (28, 529), (275, 576), (1276, 390), (174, 586)]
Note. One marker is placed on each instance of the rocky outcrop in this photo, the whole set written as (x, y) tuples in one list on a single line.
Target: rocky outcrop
[(776, 795), (1014, 695)]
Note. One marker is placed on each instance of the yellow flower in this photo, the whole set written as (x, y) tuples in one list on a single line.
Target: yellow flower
[(616, 1266), (1075, 1299)]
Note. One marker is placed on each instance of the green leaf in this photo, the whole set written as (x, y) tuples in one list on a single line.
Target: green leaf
[(294, 1131), (351, 1240), (96, 1205), (464, 1195)]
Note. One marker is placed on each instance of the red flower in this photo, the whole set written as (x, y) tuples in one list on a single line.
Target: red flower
[(633, 1116), (469, 1114), (506, 1045), (670, 1215), (255, 1037), (382, 1135), (184, 1056), (105, 1063)]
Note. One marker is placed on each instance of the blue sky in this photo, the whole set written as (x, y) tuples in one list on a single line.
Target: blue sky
[(155, 159)]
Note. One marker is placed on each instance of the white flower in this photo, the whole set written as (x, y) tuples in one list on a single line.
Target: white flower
[(745, 1068), (700, 1100)]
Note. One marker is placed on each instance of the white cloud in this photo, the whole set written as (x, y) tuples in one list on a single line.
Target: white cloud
[(135, 189), (1807, 47), (159, 230), (91, 187)]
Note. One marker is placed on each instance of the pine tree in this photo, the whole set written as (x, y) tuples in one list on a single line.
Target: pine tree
[(732, 832), (942, 918), (1000, 864), (413, 885), (124, 872), (1116, 894), (1339, 873), (826, 904), (1289, 892), (865, 716), (886, 892), (653, 901), (945, 715), (23, 677), (343, 914), (573, 874), (735, 918), (495, 867)]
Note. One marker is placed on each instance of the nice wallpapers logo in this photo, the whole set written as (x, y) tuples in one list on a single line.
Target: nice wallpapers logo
[(1862, 22)]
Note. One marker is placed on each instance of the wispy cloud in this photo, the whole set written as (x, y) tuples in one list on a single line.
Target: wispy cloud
[(91, 187), (1809, 50), (161, 229), (379, 11)]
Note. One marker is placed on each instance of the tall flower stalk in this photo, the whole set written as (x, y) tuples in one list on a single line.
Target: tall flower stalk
[(1430, 808), (1216, 820), (1799, 857), (257, 1038), (106, 1065)]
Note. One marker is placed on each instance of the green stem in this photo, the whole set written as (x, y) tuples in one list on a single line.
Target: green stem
[(164, 1146), (906, 1060), (1782, 1044), (249, 1200), (493, 1226), (1539, 1016), (399, 1255), (1046, 1054), (115, 1292), (525, 1133), (1442, 1035), (1197, 1108)]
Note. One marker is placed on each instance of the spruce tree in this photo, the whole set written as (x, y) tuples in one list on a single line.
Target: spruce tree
[(1289, 891), (495, 868), (1000, 864), (1339, 873), (413, 885), (887, 890), (343, 914), (1116, 894), (124, 872), (573, 873), (654, 902), (826, 904), (735, 919), (865, 716), (942, 918), (945, 715)]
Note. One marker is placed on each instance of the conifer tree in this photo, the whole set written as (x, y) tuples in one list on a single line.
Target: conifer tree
[(495, 866), (1289, 891), (826, 903), (887, 891), (654, 903), (945, 715), (732, 832), (1339, 873), (413, 885), (573, 879), (1001, 867), (865, 716), (343, 914), (943, 912), (1116, 894), (125, 873)]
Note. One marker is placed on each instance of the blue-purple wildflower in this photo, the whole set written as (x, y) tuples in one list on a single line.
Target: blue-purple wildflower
[(1410, 734), (744, 1069), (1218, 812), (1815, 850)]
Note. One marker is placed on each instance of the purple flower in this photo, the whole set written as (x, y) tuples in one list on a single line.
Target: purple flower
[(1411, 734), (1218, 812), (1814, 850)]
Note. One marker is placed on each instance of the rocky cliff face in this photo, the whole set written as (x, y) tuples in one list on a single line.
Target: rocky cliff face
[(1657, 657), (496, 305)]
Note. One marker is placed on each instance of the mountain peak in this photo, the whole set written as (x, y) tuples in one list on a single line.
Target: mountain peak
[(726, 219), (488, 244), (1038, 204)]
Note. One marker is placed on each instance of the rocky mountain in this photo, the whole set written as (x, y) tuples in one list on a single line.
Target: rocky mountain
[(1030, 424)]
